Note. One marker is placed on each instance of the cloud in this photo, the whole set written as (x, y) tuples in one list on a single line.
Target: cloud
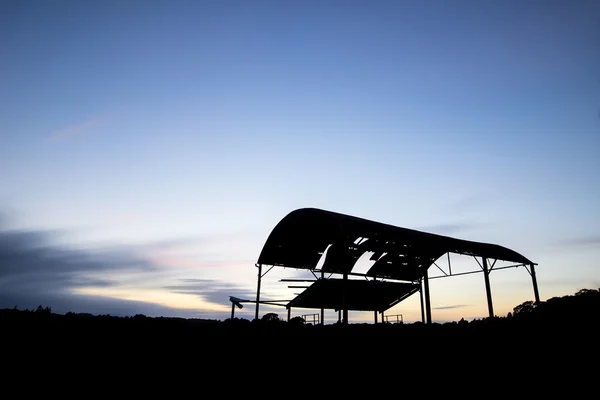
[(211, 290), (175, 243), (189, 263), (451, 307), (114, 279), (217, 292), (208, 251), (31, 254), (77, 129), (584, 241), (449, 229), (33, 270), (178, 245)]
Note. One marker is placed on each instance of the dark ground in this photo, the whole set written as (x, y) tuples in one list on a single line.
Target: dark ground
[(553, 334)]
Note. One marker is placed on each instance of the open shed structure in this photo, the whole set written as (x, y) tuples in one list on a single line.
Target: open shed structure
[(401, 259)]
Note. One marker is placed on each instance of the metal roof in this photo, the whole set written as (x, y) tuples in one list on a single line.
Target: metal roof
[(300, 239), (358, 295)]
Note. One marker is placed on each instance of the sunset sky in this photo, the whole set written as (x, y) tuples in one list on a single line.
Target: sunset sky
[(148, 148)]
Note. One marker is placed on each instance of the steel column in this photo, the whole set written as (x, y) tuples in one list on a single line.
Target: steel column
[(289, 313), (322, 309), (375, 314), (258, 290), (232, 309), (422, 303), (488, 290), (535, 285), (427, 299), (345, 306)]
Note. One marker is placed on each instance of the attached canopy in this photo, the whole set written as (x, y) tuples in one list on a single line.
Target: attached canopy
[(300, 239), (359, 295)]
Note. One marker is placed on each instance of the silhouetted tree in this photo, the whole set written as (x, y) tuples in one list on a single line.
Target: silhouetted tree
[(524, 308), (270, 317)]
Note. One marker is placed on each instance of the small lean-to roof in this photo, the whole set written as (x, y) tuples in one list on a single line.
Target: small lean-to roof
[(300, 239), (358, 295)]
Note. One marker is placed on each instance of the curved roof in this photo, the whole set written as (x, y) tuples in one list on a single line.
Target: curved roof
[(300, 239)]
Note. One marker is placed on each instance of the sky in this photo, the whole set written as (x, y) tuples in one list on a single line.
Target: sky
[(148, 148)]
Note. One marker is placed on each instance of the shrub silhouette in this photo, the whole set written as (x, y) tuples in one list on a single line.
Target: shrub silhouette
[(42, 310)]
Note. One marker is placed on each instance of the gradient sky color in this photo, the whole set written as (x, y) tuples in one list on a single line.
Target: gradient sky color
[(148, 148)]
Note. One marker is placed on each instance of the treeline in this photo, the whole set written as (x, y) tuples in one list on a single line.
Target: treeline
[(578, 313)]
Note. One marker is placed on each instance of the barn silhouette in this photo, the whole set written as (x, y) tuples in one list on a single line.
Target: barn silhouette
[(401, 260)]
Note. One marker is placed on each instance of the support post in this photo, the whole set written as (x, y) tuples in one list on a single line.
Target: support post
[(427, 299), (258, 290), (289, 313), (375, 314), (488, 290), (339, 316), (382, 318), (232, 309), (322, 309), (422, 303), (344, 300), (535, 285)]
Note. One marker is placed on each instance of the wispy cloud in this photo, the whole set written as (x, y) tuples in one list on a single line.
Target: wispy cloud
[(77, 129), (450, 307), (208, 251), (583, 241), (211, 290), (450, 228), (193, 263)]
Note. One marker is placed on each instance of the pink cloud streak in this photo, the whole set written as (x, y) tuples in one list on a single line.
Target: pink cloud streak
[(180, 262), (75, 130)]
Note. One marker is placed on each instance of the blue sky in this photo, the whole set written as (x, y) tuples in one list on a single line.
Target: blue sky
[(148, 148)]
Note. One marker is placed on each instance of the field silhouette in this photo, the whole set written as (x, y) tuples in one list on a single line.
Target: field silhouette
[(557, 336), (558, 317)]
